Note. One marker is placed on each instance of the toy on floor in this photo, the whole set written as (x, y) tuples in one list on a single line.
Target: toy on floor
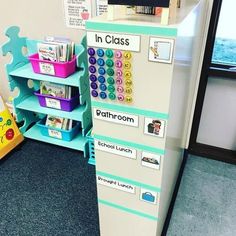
[(10, 135)]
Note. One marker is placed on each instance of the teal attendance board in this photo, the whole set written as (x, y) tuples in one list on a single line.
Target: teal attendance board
[(141, 74)]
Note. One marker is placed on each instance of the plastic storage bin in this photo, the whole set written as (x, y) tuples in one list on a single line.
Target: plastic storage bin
[(58, 69), (57, 103), (66, 135)]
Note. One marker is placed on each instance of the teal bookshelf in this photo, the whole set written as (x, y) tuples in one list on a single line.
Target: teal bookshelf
[(27, 108)]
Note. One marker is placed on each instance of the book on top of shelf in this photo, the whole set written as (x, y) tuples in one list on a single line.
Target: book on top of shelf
[(66, 47), (58, 122), (58, 90), (48, 51), (54, 121), (53, 89)]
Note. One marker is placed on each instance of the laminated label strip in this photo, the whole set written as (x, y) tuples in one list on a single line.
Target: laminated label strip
[(130, 144), (129, 181)]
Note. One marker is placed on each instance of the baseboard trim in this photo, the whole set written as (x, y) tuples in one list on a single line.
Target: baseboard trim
[(172, 203), (212, 152)]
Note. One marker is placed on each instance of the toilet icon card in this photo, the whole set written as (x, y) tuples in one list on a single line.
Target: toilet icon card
[(154, 127), (161, 50)]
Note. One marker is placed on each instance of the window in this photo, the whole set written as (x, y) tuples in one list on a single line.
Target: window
[(224, 51)]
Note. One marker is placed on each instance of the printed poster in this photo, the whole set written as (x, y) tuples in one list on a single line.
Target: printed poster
[(101, 7), (77, 12)]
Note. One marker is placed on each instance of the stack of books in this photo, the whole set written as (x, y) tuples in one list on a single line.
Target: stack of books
[(152, 10), (58, 90), (58, 122), (57, 49), (149, 10)]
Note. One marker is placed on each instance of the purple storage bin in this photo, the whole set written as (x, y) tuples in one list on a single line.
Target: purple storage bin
[(57, 103), (58, 69)]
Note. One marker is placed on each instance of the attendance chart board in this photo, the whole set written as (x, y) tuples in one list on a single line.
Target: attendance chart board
[(138, 92)]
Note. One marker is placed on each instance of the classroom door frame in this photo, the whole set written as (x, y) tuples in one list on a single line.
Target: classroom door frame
[(218, 71)]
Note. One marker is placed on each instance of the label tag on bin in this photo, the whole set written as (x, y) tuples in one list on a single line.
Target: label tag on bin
[(54, 133), (46, 68), (53, 103)]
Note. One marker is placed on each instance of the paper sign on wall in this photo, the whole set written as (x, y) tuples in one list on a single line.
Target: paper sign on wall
[(101, 7), (115, 184), (115, 117), (115, 149), (77, 12)]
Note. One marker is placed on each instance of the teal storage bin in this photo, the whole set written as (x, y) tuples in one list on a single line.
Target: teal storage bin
[(66, 135)]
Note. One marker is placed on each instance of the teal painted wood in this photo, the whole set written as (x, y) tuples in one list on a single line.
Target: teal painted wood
[(78, 143), (31, 46), (15, 46), (26, 72), (91, 160), (19, 72), (31, 104)]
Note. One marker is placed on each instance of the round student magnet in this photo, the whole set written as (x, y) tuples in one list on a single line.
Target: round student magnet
[(100, 52), (103, 95), (110, 80), (91, 51), (93, 78), (92, 69), (112, 96), (109, 53), (111, 88), (100, 62), (92, 60), (93, 86), (94, 93), (118, 54)]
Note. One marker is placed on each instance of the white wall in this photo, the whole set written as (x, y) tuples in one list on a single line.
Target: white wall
[(217, 125), (36, 19)]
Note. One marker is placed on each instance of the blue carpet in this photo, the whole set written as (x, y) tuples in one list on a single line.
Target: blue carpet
[(47, 190), (206, 201)]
